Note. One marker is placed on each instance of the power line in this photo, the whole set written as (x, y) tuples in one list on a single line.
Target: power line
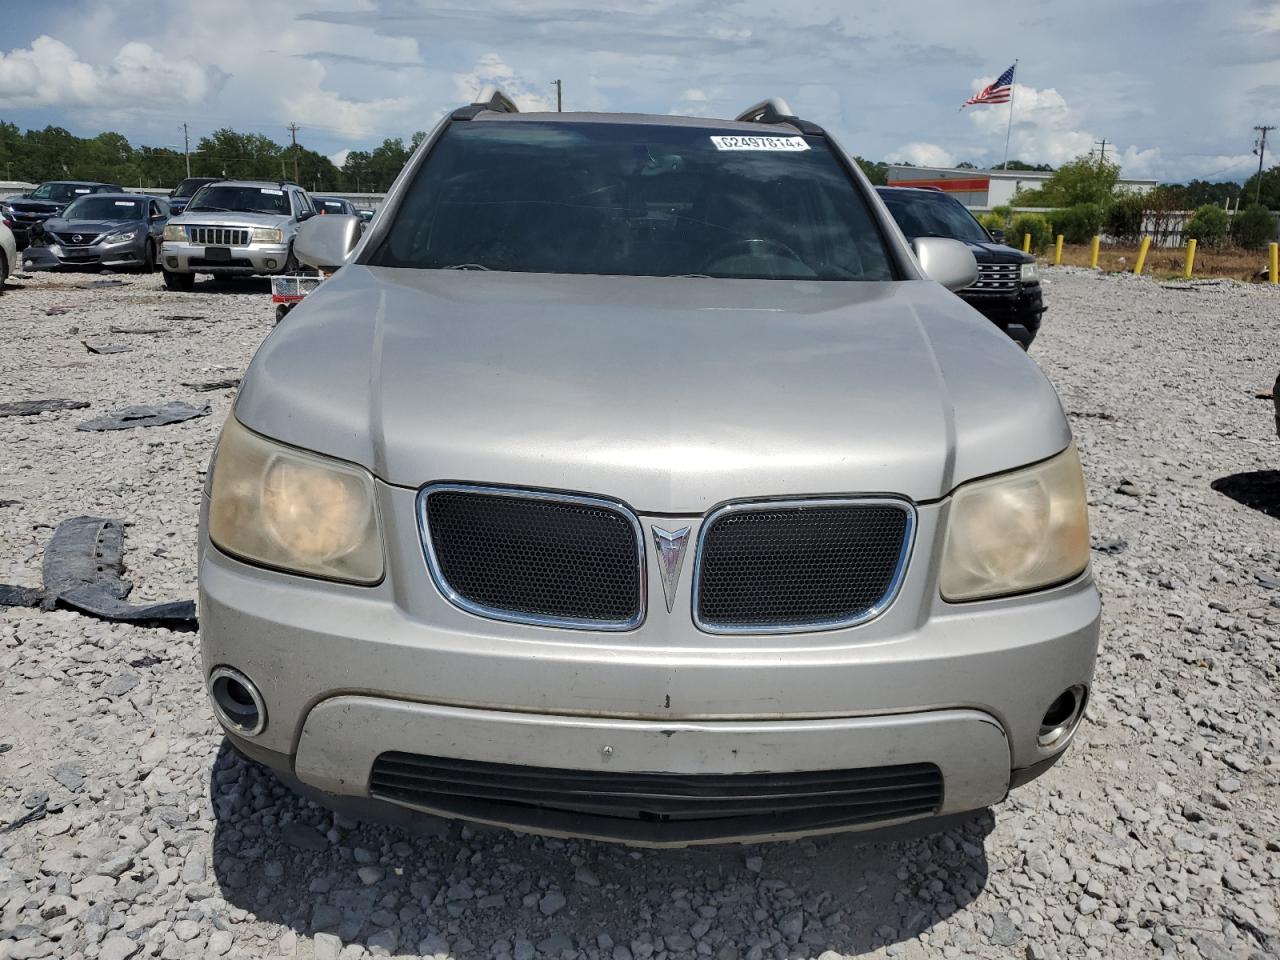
[(1103, 145), (1261, 150)]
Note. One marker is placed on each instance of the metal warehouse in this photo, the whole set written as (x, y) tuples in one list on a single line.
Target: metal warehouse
[(983, 189)]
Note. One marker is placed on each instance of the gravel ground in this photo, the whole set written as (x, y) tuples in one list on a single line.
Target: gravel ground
[(1157, 836)]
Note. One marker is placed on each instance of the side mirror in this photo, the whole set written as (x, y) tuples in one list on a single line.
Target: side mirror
[(997, 236), (326, 242), (949, 262)]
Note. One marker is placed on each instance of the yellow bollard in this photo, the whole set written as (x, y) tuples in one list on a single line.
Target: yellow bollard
[(1273, 268), (1026, 243), (1057, 251), (1142, 255), (1191, 259), (1093, 252)]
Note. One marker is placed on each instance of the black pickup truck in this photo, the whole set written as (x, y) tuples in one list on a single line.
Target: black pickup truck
[(1007, 291)]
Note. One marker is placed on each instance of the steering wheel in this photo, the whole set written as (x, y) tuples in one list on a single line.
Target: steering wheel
[(753, 246)]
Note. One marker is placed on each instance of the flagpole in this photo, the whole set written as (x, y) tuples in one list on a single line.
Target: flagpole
[(1013, 88)]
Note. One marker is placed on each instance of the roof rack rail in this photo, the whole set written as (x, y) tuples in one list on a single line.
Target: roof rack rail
[(777, 110), (491, 98)]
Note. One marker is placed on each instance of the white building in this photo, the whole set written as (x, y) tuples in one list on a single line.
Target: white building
[(984, 189)]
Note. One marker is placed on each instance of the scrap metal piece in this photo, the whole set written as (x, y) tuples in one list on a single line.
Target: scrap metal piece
[(145, 415), (106, 348), (204, 386), (27, 408), (14, 596), (114, 329)]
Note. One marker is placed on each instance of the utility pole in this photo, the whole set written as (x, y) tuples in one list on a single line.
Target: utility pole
[(293, 132), (1103, 145), (186, 147), (1260, 149), (556, 84)]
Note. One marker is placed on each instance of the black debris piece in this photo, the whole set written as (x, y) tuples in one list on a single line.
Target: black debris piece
[(83, 570), (145, 415), (114, 329), (27, 408), (91, 284), (175, 317), (57, 311), (204, 386), (31, 816), (1111, 546), (106, 348), (9, 503)]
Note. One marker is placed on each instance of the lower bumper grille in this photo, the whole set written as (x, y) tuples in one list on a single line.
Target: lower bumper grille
[(748, 802), (998, 277), (535, 557), (800, 565)]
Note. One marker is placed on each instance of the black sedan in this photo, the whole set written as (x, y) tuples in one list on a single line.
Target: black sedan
[(45, 201), (105, 229)]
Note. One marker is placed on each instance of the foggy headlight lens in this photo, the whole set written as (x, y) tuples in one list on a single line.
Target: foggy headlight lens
[(1017, 532), (293, 510), (175, 231), (267, 235), (120, 237), (1030, 273)]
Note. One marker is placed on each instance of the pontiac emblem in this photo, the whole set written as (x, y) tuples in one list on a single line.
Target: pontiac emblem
[(670, 549)]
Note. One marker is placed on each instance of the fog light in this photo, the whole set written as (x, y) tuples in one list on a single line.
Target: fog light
[(237, 701), (172, 262), (271, 264), (1062, 717)]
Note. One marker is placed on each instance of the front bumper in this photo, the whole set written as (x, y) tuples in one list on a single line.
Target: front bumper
[(130, 253), (1021, 308), (349, 673), (262, 259)]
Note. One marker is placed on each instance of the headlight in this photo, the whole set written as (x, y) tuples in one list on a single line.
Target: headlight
[(175, 231), (267, 235), (120, 237), (294, 510), (1017, 532), (1030, 273)]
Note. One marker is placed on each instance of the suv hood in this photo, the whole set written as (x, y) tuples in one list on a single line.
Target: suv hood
[(997, 253), (672, 395), (36, 206), (233, 218)]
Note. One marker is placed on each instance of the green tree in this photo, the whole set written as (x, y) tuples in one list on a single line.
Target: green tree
[(1253, 227), (1208, 226), (1270, 197), (877, 172), (1085, 179)]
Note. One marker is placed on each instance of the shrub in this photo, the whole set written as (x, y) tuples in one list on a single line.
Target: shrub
[(1003, 211), (1253, 227), (993, 221), (1078, 223), (1034, 224), (1124, 218), (1208, 225)]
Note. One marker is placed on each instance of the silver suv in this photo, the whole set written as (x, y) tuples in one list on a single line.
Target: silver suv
[(235, 227), (636, 479)]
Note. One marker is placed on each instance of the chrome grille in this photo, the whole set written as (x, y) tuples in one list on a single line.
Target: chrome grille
[(76, 239), (535, 557), (747, 802), (997, 276), (788, 566), (220, 236)]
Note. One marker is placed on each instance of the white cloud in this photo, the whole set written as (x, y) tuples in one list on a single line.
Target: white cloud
[(50, 73), (925, 155), (698, 96), (492, 71), (340, 158)]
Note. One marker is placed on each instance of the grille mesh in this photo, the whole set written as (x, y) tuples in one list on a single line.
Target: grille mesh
[(800, 566), (219, 236), (998, 276), (69, 238), (822, 797), (536, 558)]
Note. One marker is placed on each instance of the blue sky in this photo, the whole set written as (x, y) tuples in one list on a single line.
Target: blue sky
[(1175, 86)]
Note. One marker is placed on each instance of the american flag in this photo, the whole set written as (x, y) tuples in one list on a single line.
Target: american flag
[(999, 92)]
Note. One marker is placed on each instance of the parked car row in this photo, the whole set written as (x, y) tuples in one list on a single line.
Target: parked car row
[(207, 225)]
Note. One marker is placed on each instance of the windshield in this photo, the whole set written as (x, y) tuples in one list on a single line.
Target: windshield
[(188, 188), (60, 192), (222, 198), (634, 200), (929, 214), (103, 208)]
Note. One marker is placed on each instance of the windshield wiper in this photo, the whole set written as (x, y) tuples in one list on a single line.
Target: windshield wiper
[(466, 266), (693, 276), (210, 209)]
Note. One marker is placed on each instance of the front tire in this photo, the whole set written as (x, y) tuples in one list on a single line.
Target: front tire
[(4, 271), (148, 258), (182, 282)]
